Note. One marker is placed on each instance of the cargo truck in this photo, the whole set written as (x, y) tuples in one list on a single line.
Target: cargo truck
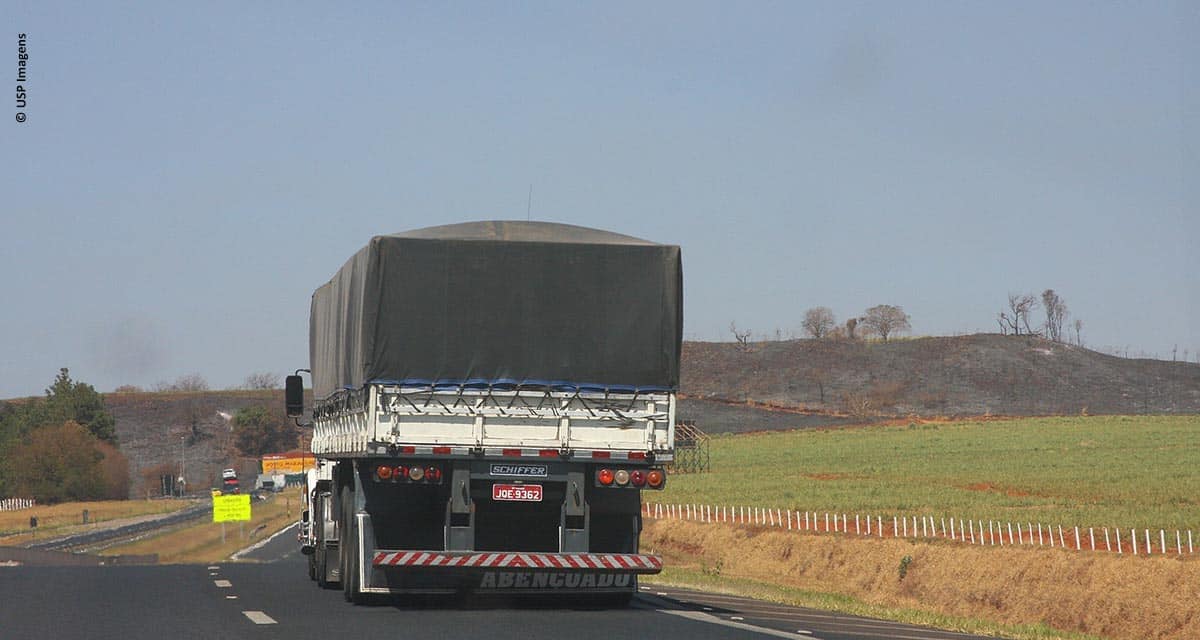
[(489, 401)]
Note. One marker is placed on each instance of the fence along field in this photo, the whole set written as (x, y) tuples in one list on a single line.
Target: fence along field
[(1119, 472), (16, 504), (980, 532)]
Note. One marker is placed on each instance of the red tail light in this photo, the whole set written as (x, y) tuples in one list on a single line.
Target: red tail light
[(400, 473), (383, 472), (605, 477), (637, 478), (433, 474), (655, 478)]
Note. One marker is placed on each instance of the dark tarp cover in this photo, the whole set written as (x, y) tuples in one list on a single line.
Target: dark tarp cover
[(513, 302)]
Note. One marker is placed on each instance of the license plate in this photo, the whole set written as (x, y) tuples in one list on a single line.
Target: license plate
[(517, 492)]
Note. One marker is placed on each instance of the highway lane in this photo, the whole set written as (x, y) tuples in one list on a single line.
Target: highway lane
[(273, 598)]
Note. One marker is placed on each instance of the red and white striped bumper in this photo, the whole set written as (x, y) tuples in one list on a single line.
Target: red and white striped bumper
[(623, 562)]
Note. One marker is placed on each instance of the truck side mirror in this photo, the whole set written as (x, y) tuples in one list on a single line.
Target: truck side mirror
[(294, 396)]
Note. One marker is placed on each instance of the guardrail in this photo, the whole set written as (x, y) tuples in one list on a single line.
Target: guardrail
[(1131, 540)]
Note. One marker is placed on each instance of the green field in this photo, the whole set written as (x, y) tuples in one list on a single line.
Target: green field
[(1103, 471)]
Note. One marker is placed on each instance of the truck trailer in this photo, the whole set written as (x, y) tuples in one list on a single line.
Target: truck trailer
[(489, 401)]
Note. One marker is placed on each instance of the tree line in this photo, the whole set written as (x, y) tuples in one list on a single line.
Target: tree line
[(887, 320)]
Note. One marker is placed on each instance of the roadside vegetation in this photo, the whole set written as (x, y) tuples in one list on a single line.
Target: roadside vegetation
[(61, 447), (1127, 471), (201, 542), (1018, 592)]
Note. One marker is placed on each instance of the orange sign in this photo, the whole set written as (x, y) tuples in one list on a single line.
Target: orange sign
[(282, 464)]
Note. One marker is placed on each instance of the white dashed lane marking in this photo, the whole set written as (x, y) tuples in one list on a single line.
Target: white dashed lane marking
[(258, 617), (700, 616), (224, 584)]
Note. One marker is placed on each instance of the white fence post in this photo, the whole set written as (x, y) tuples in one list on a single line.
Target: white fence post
[(1162, 541), (1077, 545), (1149, 548), (1133, 536), (879, 525), (857, 528)]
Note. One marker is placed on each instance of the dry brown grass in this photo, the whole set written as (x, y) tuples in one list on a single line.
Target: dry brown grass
[(1100, 594), (202, 542), (67, 517)]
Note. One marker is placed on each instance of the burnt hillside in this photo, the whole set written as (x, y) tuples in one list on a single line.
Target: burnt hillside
[(944, 376), (166, 428), (767, 385)]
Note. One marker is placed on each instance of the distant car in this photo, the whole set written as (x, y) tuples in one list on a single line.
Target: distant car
[(228, 474)]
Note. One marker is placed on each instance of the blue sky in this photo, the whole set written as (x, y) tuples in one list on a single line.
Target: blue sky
[(188, 174)]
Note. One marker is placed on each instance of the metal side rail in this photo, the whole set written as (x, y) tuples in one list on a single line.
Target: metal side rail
[(623, 562)]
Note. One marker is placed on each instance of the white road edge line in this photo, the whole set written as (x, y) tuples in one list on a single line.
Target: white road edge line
[(700, 616), (237, 555), (258, 617)]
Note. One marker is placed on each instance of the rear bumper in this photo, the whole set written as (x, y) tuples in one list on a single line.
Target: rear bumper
[(629, 563)]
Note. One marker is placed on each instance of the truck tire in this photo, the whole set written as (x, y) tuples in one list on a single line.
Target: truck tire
[(348, 544)]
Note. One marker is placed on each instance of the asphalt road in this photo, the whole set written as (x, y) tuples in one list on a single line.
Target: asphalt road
[(273, 598)]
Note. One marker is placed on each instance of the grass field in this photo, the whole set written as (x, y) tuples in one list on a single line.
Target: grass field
[(1089, 471), (61, 519)]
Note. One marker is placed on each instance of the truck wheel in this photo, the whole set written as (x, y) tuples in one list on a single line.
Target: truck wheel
[(322, 560), (348, 543)]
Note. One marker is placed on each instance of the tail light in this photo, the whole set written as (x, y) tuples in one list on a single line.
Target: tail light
[(655, 478), (416, 473), (433, 474), (605, 477), (621, 477), (637, 478), (383, 472), (401, 473)]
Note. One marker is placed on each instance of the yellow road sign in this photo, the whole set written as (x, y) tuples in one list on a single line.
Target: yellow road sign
[(231, 508)]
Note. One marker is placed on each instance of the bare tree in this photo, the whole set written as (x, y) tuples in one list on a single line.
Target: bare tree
[(261, 380), (1078, 325), (818, 321), (1019, 308), (742, 337), (1056, 313), (885, 319), (189, 382)]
